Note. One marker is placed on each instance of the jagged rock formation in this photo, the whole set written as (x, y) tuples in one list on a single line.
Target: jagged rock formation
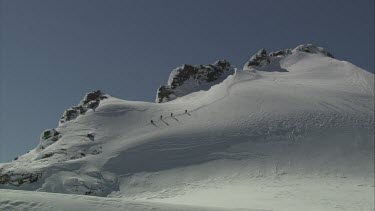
[(90, 101), (281, 53), (271, 62), (309, 48), (259, 59), (263, 62), (188, 78), (17, 179)]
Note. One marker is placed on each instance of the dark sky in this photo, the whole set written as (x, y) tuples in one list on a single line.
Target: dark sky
[(54, 51)]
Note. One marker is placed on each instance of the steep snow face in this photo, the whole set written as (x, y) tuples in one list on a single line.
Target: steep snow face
[(188, 78), (258, 139)]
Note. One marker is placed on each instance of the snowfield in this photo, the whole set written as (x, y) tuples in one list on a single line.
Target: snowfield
[(300, 139), (15, 200)]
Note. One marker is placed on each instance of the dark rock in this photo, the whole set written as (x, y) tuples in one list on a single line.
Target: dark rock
[(79, 109), (17, 179), (46, 155), (269, 63), (309, 48), (49, 133), (259, 59), (165, 94), (48, 137), (184, 73), (189, 78), (93, 104), (281, 53), (90, 101), (329, 55), (91, 136), (93, 96), (4, 178), (69, 114)]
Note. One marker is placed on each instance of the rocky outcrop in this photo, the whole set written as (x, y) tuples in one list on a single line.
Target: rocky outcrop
[(17, 179), (90, 101), (310, 48), (48, 137), (271, 62), (259, 59), (263, 62), (165, 94), (281, 53), (188, 78)]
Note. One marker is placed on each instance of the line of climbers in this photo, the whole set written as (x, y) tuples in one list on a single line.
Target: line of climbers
[(161, 117)]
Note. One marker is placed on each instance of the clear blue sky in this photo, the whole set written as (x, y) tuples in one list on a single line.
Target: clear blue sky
[(53, 52)]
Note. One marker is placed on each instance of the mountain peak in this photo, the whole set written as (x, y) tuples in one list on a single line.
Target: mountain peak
[(260, 125), (313, 49), (262, 61)]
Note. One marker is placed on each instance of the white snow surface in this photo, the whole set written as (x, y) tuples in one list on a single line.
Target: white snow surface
[(296, 140), (15, 200)]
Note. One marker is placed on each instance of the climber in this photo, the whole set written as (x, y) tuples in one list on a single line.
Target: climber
[(161, 117), (185, 111), (171, 114), (152, 122)]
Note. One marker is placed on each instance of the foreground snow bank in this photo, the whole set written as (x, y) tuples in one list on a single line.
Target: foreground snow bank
[(12, 200)]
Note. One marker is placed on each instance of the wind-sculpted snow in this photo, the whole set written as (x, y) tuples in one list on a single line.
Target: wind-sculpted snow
[(299, 137)]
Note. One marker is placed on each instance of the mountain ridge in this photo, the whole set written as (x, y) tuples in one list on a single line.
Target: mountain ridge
[(313, 120)]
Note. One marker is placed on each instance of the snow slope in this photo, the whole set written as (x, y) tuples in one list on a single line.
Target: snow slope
[(13, 200), (292, 140)]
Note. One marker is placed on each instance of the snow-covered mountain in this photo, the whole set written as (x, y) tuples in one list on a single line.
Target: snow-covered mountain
[(293, 130)]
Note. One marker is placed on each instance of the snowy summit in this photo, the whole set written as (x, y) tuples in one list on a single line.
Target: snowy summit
[(292, 130)]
